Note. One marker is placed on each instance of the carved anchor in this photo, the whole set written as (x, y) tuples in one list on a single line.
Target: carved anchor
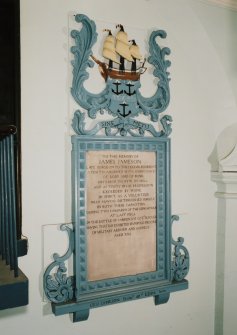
[(123, 113), (129, 90), (117, 92)]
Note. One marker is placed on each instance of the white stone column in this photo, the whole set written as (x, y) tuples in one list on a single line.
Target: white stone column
[(226, 254), (226, 247)]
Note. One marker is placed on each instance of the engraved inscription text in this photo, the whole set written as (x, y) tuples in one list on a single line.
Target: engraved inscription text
[(121, 213)]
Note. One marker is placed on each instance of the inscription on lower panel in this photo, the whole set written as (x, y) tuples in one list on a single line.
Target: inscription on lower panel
[(121, 213)]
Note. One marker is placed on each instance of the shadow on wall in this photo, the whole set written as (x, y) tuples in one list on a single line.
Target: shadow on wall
[(12, 312), (233, 48), (224, 154)]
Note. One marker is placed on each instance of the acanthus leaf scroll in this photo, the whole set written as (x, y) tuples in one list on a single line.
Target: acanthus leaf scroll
[(121, 97)]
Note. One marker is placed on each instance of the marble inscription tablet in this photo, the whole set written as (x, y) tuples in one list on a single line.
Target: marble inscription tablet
[(121, 213)]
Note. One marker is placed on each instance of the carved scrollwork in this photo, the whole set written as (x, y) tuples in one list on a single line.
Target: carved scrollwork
[(122, 126), (180, 262), (157, 104), (84, 41), (120, 98), (58, 287)]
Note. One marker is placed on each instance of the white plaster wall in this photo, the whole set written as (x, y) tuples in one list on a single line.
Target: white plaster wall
[(201, 91), (221, 29)]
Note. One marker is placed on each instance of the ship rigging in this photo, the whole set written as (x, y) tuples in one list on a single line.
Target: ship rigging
[(123, 57)]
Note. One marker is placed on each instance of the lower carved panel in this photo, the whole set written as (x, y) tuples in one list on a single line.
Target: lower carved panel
[(80, 309)]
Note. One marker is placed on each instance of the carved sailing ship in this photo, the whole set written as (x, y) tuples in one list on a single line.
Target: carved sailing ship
[(123, 56)]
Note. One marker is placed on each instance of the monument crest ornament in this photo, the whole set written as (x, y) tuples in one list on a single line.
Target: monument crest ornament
[(120, 238), (121, 69)]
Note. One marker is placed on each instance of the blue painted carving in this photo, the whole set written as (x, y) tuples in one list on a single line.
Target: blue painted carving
[(123, 126), (120, 98), (158, 103), (180, 263), (81, 146), (58, 287), (84, 41), (161, 298)]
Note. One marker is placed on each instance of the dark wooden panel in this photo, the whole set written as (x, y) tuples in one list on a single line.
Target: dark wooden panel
[(10, 62), (10, 93), (13, 290)]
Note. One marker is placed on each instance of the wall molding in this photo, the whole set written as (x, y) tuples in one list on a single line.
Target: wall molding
[(230, 4), (226, 184)]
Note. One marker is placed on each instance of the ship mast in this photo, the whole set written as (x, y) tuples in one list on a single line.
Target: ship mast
[(117, 49), (109, 49), (122, 47), (135, 53)]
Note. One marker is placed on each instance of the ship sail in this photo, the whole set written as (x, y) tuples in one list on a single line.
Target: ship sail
[(135, 51), (122, 47), (109, 48)]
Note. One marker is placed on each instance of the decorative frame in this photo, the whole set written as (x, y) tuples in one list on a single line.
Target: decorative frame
[(124, 132), (80, 148)]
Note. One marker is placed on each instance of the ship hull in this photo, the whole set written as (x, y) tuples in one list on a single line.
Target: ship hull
[(124, 75), (106, 72)]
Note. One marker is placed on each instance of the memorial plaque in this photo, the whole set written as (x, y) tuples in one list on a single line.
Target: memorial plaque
[(120, 237), (121, 213)]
